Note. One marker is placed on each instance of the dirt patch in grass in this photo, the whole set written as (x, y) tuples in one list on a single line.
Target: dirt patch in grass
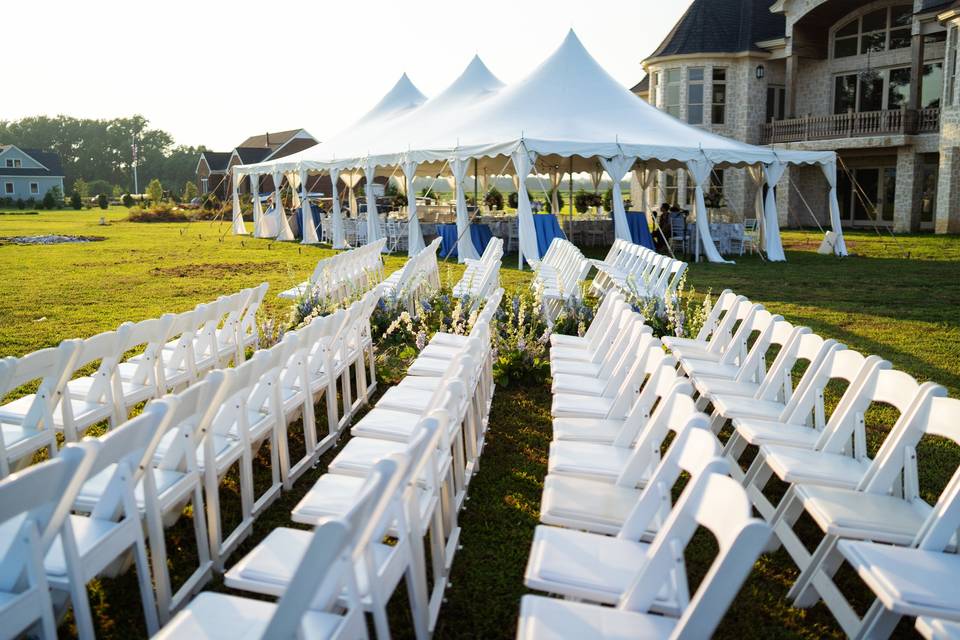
[(214, 269)]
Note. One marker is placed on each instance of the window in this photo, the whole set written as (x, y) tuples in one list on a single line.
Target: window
[(34, 188), (776, 103), (14, 163), (931, 85), (652, 97), (203, 185), (871, 92), (845, 94), (879, 30), (871, 200), (8, 188), (695, 95), (719, 113), (659, 84), (898, 88), (928, 201), (953, 56), (672, 101), (670, 186)]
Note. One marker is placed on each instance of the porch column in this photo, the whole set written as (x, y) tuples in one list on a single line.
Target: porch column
[(790, 96), (909, 190)]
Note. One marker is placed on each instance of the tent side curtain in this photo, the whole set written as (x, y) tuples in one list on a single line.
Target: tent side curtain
[(700, 172)]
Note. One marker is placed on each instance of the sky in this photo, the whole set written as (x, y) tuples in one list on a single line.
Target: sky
[(214, 73)]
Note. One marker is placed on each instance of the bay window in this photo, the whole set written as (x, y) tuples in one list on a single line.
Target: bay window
[(719, 96), (879, 30), (672, 101), (695, 95)]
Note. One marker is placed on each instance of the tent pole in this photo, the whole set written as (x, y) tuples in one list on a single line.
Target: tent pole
[(476, 173), (570, 198)]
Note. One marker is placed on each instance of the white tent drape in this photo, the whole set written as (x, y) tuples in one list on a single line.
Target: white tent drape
[(644, 178), (336, 218), (415, 243), (617, 168), (522, 162), (239, 228), (700, 172), (759, 179), (830, 173), (555, 176), (284, 232), (308, 230), (373, 217), (258, 231), (352, 179), (465, 248), (772, 245), (293, 179)]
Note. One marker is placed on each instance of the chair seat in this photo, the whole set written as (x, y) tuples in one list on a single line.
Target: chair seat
[(449, 340), (218, 616), (795, 465), (553, 619), (93, 489), (584, 385), (441, 351), (739, 406), (359, 455), (711, 387), (428, 367), (331, 496), (694, 352), (386, 424), (697, 368), (937, 629), (405, 398), (89, 533), (855, 514), (600, 431), (671, 342), (19, 440), (572, 353), (569, 405), (85, 413), (575, 367), (587, 460), (585, 565), (758, 432), (569, 342), (592, 505)]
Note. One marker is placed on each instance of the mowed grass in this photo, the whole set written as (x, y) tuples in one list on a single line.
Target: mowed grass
[(905, 310)]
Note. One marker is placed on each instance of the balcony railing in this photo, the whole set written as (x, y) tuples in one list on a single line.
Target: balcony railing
[(852, 125)]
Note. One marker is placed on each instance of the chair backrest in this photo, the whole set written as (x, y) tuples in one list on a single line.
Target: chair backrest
[(719, 504), (150, 334), (672, 414), (52, 367), (663, 381), (105, 348)]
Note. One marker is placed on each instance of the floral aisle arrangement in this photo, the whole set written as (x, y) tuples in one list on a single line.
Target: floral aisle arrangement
[(678, 313)]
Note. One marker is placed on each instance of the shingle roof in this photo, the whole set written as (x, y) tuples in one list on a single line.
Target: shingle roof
[(269, 140), (249, 155), (49, 159), (643, 86), (722, 26), (217, 160)]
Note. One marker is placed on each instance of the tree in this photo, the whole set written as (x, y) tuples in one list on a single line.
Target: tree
[(103, 201), (189, 191), (81, 188), (155, 191), (127, 200), (52, 198), (117, 192), (96, 187), (76, 201)]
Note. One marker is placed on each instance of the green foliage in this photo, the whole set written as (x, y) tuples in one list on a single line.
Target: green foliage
[(155, 191), (53, 198), (560, 202), (99, 187), (189, 190), (521, 342), (127, 200), (76, 202), (103, 201), (582, 200), (117, 192), (159, 212), (513, 199), (427, 192), (21, 204), (608, 200), (494, 199), (81, 187)]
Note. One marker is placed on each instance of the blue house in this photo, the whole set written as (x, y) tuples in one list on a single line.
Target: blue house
[(28, 173)]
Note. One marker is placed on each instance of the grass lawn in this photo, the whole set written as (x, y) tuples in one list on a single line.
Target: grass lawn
[(905, 310)]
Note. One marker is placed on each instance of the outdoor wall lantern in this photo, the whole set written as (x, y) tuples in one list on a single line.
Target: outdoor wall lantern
[(760, 72)]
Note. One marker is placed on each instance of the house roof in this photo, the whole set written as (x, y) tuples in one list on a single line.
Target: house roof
[(722, 26), (217, 160), (270, 140), (253, 154), (643, 86), (49, 159)]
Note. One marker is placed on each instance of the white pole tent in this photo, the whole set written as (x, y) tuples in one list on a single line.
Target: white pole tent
[(567, 112)]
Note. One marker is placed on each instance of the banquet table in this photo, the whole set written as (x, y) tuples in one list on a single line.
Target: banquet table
[(639, 230), (724, 234), (547, 229), (479, 233)]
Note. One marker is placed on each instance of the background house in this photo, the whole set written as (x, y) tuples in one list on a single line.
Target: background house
[(28, 173), (214, 167), (875, 81)]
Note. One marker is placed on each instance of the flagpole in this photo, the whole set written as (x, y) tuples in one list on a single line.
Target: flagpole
[(133, 146)]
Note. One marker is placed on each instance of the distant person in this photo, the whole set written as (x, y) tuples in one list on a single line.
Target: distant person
[(663, 225)]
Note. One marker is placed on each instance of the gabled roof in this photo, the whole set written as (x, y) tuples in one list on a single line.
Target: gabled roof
[(270, 140), (722, 26), (253, 154), (217, 160), (50, 160)]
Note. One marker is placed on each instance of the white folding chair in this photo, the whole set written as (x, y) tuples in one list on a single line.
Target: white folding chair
[(137, 380), (34, 505), (88, 400)]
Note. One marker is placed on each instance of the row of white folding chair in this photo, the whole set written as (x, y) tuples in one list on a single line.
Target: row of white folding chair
[(598, 470), (342, 274), (418, 276), (481, 277), (207, 336), (319, 595), (824, 458), (639, 270), (561, 271)]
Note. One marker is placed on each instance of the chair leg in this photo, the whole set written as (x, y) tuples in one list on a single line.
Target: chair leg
[(825, 559), (146, 586)]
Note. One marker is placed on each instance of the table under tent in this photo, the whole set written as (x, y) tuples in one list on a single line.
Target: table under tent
[(567, 116)]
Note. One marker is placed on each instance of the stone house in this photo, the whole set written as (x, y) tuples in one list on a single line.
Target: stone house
[(875, 81)]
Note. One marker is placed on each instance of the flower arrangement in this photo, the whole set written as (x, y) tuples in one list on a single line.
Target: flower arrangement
[(521, 339), (678, 313)]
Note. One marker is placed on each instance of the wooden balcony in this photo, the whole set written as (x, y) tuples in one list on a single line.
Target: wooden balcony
[(852, 125)]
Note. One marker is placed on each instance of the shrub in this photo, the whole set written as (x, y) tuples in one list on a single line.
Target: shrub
[(189, 191), (162, 212), (103, 201), (210, 201), (520, 341), (127, 200), (513, 200), (80, 187), (21, 204), (76, 202), (97, 187), (494, 199), (608, 200), (49, 200), (155, 191)]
